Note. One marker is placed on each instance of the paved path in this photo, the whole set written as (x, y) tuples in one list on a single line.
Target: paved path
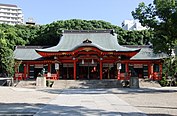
[(88, 102)]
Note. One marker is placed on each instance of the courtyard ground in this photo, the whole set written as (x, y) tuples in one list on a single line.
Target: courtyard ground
[(151, 101), (154, 101), (22, 101)]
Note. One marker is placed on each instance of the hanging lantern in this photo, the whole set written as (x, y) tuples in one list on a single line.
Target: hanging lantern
[(92, 61), (82, 61)]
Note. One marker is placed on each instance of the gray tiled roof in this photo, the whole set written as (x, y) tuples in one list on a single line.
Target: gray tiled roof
[(148, 54), (103, 40), (27, 53)]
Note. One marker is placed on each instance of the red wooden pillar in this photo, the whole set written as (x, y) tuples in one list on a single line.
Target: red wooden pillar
[(127, 71), (15, 73), (160, 71), (25, 69), (150, 71), (49, 67), (101, 70), (28, 69), (58, 71), (74, 70)]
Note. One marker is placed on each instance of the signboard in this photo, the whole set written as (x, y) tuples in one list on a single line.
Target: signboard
[(119, 66), (87, 64), (38, 66), (68, 65), (56, 66), (108, 65), (138, 66)]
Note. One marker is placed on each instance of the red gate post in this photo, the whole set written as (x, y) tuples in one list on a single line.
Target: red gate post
[(101, 70), (74, 69)]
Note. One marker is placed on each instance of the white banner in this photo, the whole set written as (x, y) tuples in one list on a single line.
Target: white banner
[(57, 66)]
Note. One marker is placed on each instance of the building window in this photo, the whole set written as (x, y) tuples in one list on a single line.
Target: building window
[(122, 68), (156, 68), (21, 68), (53, 68)]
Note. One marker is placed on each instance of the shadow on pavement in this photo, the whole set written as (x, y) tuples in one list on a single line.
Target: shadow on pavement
[(25, 109), (56, 110), (19, 109), (108, 91)]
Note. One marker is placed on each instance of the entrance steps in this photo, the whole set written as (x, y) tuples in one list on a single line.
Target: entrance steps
[(26, 84), (74, 84), (86, 84), (148, 83)]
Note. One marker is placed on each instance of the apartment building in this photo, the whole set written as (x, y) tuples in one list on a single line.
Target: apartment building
[(132, 25), (11, 14)]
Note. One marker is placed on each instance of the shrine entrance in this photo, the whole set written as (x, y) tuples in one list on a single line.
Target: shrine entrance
[(88, 69), (66, 71), (109, 71)]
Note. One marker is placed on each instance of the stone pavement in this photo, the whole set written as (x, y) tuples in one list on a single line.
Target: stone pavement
[(88, 102), (22, 101)]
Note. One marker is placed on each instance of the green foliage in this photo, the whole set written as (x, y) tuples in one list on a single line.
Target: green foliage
[(6, 57), (27, 33), (50, 34), (161, 17), (9, 38), (163, 82), (49, 83), (137, 37), (169, 72)]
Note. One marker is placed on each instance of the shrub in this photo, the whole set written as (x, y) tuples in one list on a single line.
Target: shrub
[(163, 82), (49, 83)]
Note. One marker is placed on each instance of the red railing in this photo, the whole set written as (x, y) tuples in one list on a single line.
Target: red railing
[(157, 76), (18, 76), (51, 76), (124, 76)]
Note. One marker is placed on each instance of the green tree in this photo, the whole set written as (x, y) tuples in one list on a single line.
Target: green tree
[(6, 56), (9, 38), (169, 72), (26, 33), (137, 37), (161, 17), (50, 34)]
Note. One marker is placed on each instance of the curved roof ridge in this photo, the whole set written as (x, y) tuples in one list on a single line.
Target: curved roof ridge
[(111, 31), (90, 45)]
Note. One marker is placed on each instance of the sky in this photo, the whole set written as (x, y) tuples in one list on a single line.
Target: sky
[(48, 11)]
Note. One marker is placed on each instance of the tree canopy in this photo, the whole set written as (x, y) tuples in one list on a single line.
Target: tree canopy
[(161, 17), (53, 32)]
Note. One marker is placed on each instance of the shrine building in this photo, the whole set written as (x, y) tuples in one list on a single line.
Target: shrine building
[(88, 54)]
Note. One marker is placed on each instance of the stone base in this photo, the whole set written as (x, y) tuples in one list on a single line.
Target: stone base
[(41, 82), (134, 82)]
